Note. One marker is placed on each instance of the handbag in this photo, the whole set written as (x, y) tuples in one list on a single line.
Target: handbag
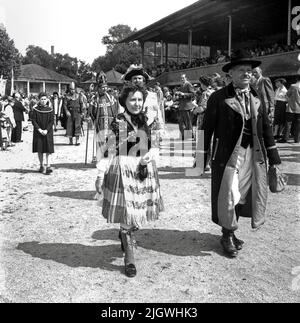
[(277, 180)]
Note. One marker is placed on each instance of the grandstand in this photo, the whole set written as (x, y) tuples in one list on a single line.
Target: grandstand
[(200, 38)]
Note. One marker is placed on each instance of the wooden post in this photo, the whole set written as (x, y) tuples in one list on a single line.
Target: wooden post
[(162, 53), (143, 53), (230, 36), (178, 53), (167, 54), (28, 89), (190, 41)]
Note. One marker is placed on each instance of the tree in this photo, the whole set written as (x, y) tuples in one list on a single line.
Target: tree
[(84, 72), (10, 58), (63, 64), (118, 55), (39, 56), (115, 35)]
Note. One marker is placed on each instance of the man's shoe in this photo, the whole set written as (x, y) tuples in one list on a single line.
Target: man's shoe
[(238, 243), (228, 245)]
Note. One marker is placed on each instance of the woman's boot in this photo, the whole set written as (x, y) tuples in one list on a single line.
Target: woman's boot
[(128, 243)]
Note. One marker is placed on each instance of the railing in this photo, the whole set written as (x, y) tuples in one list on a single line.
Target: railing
[(276, 65)]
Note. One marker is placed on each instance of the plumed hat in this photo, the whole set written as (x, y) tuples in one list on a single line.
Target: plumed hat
[(101, 79), (241, 57), (134, 70)]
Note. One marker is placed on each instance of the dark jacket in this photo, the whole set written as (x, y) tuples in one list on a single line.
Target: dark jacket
[(224, 119), (18, 109), (185, 102), (266, 93)]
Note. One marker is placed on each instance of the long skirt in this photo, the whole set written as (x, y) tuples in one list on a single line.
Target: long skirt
[(128, 200)]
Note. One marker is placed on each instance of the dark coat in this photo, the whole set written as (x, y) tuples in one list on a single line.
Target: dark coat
[(42, 118), (225, 119), (186, 99), (18, 109), (266, 93)]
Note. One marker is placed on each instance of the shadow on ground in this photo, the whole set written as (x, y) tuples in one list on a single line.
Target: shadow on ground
[(178, 243), (172, 242), (75, 255), (76, 195), (20, 171), (78, 166)]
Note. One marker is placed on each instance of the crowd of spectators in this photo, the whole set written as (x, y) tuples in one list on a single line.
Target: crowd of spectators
[(221, 56)]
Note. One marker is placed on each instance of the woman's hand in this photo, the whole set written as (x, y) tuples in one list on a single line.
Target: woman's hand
[(146, 159)]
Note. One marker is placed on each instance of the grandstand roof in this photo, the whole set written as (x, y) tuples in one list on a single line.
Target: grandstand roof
[(209, 21)]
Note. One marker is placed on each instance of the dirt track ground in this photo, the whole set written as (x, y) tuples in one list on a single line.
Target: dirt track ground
[(56, 247)]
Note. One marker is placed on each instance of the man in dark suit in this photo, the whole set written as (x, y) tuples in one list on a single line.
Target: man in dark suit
[(243, 142), (18, 109), (185, 96), (265, 91)]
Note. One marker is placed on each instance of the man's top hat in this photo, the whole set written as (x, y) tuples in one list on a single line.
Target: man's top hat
[(101, 79), (240, 57), (134, 70)]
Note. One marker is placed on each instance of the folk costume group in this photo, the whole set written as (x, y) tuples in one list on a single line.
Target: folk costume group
[(127, 135)]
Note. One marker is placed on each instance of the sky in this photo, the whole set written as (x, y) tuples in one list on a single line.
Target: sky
[(77, 27)]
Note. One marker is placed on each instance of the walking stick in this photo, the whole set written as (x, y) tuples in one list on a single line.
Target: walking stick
[(87, 142)]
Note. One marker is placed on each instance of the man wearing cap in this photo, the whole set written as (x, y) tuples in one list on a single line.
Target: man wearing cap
[(243, 142), (74, 110), (103, 109)]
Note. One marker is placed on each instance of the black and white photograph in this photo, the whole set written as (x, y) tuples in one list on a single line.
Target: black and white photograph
[(149, 154)]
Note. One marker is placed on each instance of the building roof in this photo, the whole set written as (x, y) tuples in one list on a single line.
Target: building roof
[(113, 78), (210, 24), (34, 72)]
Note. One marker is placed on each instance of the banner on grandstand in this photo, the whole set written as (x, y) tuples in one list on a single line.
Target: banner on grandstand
[(2, 85)]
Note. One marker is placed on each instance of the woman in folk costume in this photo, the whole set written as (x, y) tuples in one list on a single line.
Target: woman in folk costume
[(131, 189), (42, 118), (138, 76)]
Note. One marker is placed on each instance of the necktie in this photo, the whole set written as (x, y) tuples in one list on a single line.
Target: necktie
[(244, 97)]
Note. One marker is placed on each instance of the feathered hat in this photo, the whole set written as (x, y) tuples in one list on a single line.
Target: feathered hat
[(101, 79), (134, 70)]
